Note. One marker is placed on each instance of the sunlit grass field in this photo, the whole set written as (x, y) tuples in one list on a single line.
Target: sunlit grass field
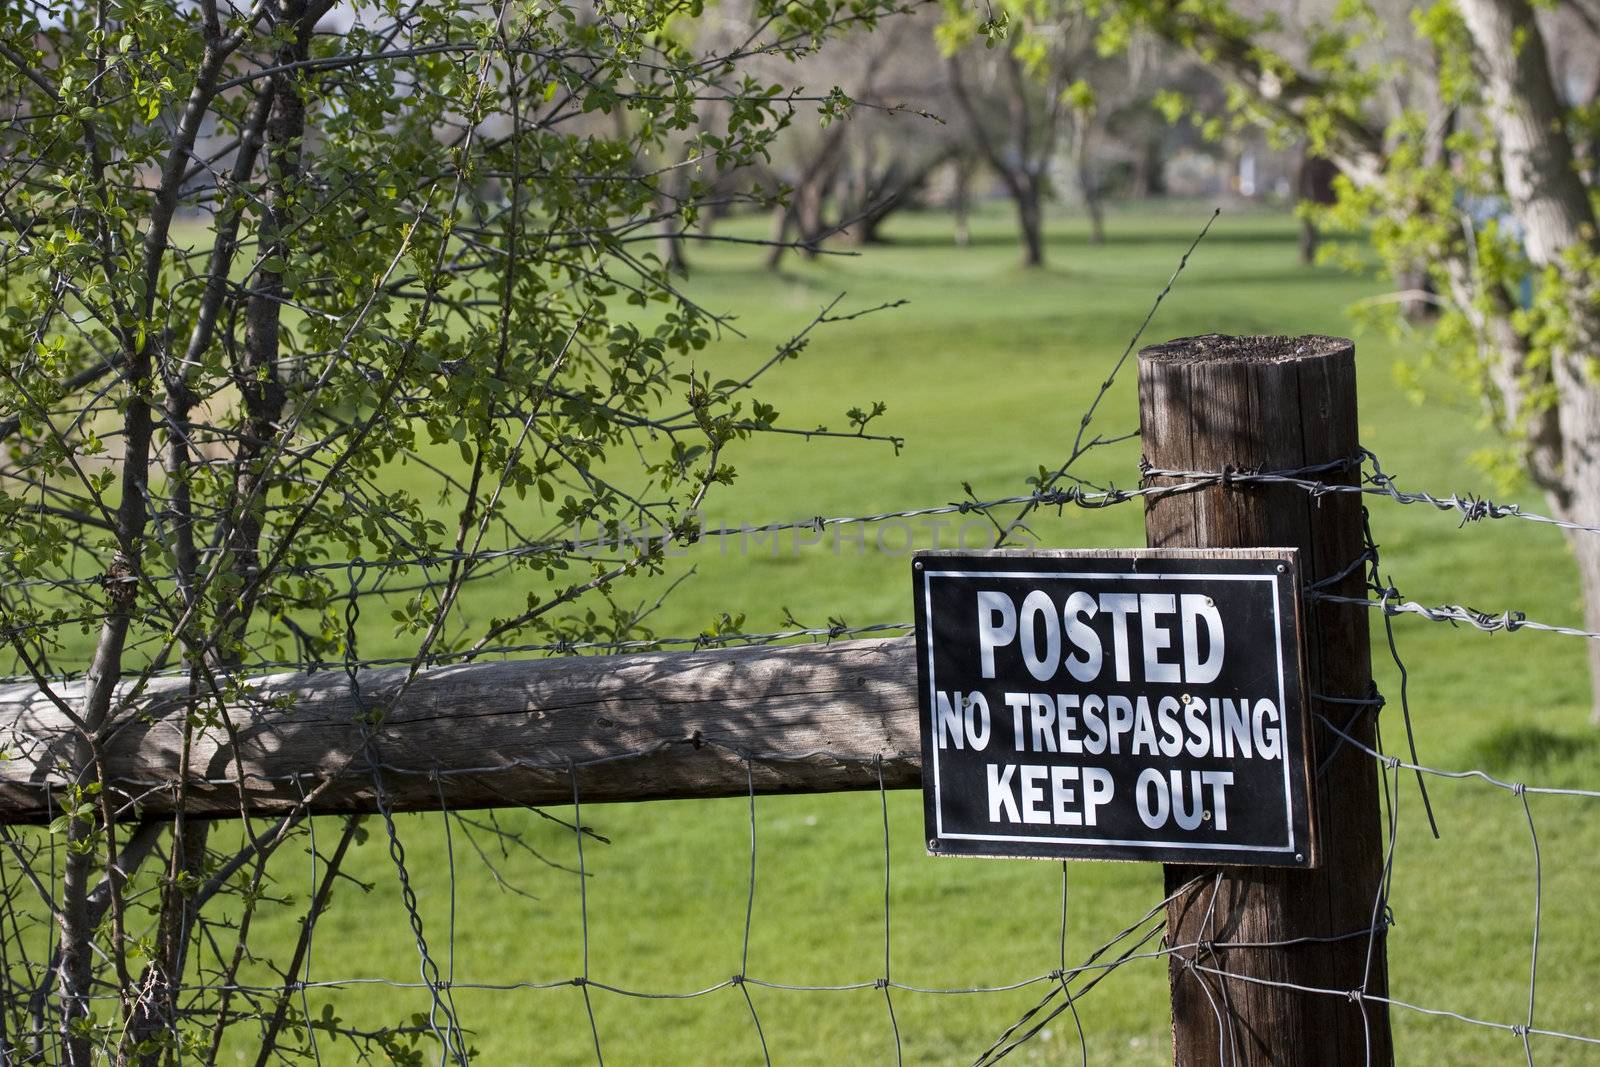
[(985, 372)]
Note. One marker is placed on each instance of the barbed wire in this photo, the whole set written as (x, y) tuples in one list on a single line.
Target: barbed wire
[(1310, 479), (1510, 620), (1376, 483)]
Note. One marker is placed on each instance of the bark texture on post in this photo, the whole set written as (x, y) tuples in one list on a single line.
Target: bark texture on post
[(1275, 403)]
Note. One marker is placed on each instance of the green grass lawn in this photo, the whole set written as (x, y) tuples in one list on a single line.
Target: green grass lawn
[(986, 371)]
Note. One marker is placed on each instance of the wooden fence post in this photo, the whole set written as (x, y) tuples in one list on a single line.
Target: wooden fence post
[(1274, 403)]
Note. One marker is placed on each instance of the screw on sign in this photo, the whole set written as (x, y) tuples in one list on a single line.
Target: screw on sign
[(1114, 705)]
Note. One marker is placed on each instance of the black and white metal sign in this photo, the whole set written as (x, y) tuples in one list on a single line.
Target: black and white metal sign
[(1138, 705)]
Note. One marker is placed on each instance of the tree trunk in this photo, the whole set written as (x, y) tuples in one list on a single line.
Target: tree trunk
[(859, 187), (1149, 170), (1025, 191), (865, 230), (782, 223), (141, 353), (1315, 186), (261, 387), (1578, 414), (811, 200), (961, 202), (1310, 240), (802, 211), (1097, 217), (672, 256), (897, 187), (1586, 549), (1021, 165), (1415, 281), (672, 192), (1088, 184), (1559, 226)]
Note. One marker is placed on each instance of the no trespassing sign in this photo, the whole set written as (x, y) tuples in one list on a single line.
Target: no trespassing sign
[(1130, 705)]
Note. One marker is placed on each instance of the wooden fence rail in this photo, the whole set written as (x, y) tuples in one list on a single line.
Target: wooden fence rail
[(811, 718)]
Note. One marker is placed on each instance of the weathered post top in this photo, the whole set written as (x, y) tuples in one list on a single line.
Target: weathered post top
[(1261, 349)]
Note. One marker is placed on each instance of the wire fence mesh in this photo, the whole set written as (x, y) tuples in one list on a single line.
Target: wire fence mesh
[(1060, 986)]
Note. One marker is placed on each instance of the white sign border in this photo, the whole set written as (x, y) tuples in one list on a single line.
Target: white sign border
[(1277, 632)]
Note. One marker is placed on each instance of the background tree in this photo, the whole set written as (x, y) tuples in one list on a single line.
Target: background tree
[(893, 151), (1033, 71), (1314, 177), (256, 260), (1013, 95), (1112, 112), (849, 179)]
